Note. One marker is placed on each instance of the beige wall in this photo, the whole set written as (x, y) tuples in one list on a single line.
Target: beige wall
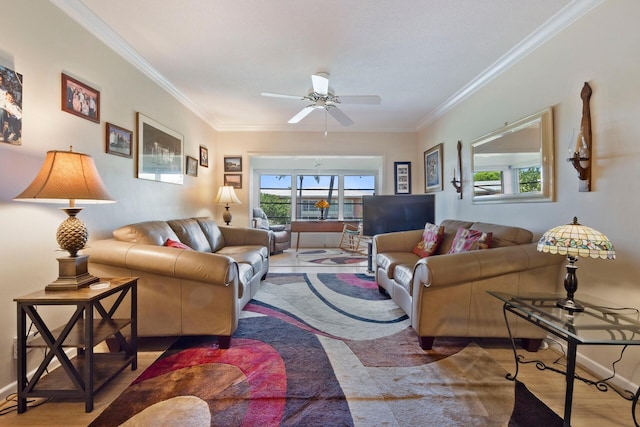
[(393, 147), (600, 49), (40, 42)]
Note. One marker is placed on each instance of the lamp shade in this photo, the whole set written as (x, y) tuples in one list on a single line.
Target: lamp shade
[(226, 195), (66, 175), (575, 240)]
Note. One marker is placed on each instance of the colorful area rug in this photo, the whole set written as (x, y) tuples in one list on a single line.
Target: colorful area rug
[(325, 349), (332, 257)]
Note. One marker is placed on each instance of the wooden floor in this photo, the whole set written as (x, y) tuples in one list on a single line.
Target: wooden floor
[(590, 406)]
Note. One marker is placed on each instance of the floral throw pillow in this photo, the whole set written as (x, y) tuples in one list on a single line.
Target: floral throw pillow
[(431, 239), (174, 244), (470, 240)]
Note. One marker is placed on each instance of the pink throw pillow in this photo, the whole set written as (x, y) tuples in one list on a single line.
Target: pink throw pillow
[(470, 240), (173, 244), (431, 239)]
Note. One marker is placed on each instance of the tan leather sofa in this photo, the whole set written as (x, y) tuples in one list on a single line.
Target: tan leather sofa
[(446, 294), (186, 292)]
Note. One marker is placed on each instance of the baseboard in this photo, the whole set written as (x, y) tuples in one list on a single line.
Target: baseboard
[(13, 386)]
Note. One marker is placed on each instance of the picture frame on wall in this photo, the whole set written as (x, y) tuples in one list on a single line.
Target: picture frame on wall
[(233, 180), (160, 152), (11, 100), (204, 156), (402, 177), (233, 163), (433, 174), (119, 141), (80, 99), (192, 166)]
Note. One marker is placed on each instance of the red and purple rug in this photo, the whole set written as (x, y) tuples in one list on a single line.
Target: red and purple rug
[(325, 349)]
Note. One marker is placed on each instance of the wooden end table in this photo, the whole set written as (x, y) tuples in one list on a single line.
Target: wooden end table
[(87, 372)]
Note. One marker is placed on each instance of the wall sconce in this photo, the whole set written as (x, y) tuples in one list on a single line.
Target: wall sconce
[(581, 156), (457, 183)]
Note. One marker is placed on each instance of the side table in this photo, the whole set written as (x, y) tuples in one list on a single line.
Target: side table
[(599, 324), (86, 373)]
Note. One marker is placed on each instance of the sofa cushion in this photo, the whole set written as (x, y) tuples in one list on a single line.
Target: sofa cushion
[(178, 245), (389, 260), (252, 255), (189, 232), (431, 239), (504, 235), (403, 275), (148, 233), (470, 240), (212, 233)]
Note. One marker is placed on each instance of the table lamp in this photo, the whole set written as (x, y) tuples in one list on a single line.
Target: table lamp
[(73, 177), (225, 196), (575, 240)]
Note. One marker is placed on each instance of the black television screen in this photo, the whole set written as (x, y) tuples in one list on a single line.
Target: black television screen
[(385, 214)]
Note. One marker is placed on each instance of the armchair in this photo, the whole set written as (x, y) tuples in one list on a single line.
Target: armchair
[(279, 235)]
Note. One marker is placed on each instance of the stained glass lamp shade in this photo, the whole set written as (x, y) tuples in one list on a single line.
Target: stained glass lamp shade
[(574, 240)]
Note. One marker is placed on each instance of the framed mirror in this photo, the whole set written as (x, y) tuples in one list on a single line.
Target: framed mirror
[(515, 163)]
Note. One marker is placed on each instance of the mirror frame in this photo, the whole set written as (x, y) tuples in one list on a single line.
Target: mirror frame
[(547, 170)]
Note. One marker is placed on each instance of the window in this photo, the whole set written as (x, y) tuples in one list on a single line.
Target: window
[(293, 196), (275, 198)]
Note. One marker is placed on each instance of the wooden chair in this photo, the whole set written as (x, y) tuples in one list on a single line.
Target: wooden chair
[(351, 238)]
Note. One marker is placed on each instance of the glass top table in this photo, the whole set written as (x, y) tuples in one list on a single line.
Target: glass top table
[(601, 323)]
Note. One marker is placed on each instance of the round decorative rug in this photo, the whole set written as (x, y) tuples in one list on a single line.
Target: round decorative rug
[(331, 257)]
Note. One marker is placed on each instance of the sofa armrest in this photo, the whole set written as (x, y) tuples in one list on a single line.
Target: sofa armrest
[(400, 241), (203, 267), (452, 269), (241, 236)]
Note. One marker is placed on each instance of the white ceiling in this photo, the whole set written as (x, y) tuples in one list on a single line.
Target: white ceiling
[(421, 56)]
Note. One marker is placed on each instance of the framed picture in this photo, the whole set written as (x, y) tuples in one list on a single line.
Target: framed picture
[(160, 152), (80, 99), (204, 156), (11, 101), (233, 164), (192, 166), (119, 141), (233, 179), (402, 174), (433, 169)]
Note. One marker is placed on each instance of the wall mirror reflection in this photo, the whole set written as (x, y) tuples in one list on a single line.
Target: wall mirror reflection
[(515, 163)]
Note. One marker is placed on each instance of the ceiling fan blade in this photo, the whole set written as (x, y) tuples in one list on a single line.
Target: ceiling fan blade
[(302, 114), (280, 95), (320, 83), (359, 99), (340, 116)]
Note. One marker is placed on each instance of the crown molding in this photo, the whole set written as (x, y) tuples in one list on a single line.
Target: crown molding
[(85, 17), (554, 25)]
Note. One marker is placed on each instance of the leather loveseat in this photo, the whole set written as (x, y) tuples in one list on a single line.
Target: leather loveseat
[(446, 294), (194, 276)]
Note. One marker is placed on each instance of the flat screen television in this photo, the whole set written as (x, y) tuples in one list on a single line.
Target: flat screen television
[(385, 214)]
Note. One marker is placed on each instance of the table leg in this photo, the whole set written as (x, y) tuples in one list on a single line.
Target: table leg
[(298, 242), (571, 371)]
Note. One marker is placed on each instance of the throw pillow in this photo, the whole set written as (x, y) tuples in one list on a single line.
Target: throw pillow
[(431, 239), (470, 240), (174, 244)]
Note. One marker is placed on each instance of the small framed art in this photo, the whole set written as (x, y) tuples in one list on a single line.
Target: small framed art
[(119, 141), (192, 166), (402, 174), (80, 99), (204, 156), (433, 169), (233, 164), (233, 180)]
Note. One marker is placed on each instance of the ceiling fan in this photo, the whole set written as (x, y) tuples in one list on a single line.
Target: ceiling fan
[(323, 97)]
